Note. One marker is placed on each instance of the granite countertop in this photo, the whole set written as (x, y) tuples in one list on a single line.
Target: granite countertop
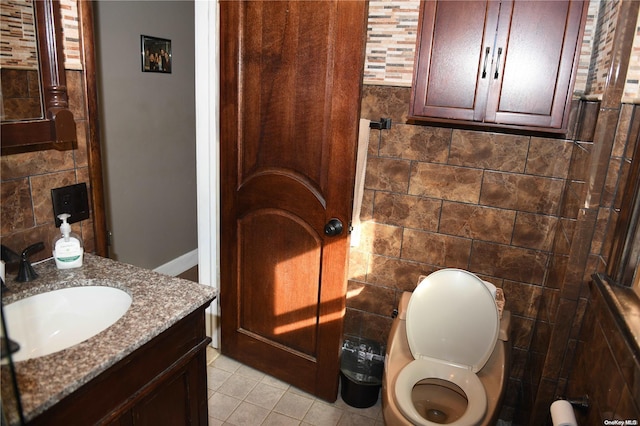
[(158, 302)]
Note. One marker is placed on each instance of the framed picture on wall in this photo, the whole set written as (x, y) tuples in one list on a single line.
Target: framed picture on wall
[(156, 54)]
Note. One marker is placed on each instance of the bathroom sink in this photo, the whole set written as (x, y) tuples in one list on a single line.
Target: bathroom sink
[(56, 320)]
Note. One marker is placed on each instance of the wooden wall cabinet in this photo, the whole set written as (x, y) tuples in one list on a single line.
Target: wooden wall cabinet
[(497, 63)]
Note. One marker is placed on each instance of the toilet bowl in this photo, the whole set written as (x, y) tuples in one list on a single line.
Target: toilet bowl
[(447, 354)]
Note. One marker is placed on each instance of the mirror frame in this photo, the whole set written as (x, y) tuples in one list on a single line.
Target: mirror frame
[(57, 129)]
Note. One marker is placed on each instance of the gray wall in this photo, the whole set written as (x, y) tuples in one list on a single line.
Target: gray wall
[(147, 131)]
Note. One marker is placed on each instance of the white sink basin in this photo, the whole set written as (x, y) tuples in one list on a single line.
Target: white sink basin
[(53, 321)]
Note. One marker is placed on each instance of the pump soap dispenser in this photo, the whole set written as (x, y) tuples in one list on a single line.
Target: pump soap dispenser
[(67, 248)]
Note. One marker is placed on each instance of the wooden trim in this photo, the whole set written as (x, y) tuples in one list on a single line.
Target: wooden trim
[(87, 36), (57, 129)]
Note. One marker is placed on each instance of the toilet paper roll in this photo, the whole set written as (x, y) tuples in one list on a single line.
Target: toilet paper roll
[(562, 414)]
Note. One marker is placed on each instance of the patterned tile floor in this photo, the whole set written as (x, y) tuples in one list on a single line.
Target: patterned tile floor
[(242, 396)]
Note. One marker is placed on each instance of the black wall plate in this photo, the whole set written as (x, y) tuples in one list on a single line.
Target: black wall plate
[(72, 199)]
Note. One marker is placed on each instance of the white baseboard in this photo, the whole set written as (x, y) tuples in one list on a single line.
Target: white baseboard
[(180, 264)]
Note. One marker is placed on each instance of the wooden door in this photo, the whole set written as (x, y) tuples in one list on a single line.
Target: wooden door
[(290, 85), (453, 67), (538, 48)]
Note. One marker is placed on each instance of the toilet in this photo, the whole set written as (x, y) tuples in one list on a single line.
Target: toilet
[(448, 354)]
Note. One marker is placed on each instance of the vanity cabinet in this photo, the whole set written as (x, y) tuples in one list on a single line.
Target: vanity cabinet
[(497, 63), (162, 383)]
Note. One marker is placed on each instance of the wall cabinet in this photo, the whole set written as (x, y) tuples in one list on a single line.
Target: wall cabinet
[(497, 63)]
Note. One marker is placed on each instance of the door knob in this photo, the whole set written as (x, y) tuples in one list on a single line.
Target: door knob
[(333, 227)]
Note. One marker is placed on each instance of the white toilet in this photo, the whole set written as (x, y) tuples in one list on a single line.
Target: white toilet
[(448, 354)]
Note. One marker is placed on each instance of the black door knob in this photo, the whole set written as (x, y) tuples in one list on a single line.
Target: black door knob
[(333, 227)]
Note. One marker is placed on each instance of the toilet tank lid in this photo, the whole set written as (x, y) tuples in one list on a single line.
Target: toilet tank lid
[(452, 317)]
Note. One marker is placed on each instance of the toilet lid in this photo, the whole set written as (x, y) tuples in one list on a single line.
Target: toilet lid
[(452, 317)]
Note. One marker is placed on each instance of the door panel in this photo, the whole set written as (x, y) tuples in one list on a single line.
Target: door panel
[(540, 42), (290, 93), (279, 262), (455, 49)]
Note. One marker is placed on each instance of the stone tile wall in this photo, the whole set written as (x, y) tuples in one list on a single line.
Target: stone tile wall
[(439, 197), (26, 180), (604, 353), (510, 208), (20, 94)]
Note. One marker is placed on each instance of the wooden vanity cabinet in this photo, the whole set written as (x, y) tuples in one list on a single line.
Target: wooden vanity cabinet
[(162, 383), (498, 63)]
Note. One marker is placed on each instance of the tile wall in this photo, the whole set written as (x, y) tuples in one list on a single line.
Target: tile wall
[(20, 94), (509, 208), (591, 202), (604, 353), (439, 197), (17, 28), (551, 215), (392, 32), (26, 180)]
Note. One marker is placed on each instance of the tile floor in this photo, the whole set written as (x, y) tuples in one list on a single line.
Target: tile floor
[(242, 396)]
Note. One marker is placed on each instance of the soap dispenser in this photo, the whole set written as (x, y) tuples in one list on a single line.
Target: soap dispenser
[(67, 248)]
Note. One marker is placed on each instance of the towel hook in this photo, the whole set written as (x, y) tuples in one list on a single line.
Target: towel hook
[(383, 124)]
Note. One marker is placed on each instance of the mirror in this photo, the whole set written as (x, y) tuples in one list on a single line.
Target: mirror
[(19, 65), (56, 127)]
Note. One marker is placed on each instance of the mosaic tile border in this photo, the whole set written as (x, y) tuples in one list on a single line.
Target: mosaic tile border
[(392, 32), (17, 31), (391, 38), (18, 34), (390, 51)]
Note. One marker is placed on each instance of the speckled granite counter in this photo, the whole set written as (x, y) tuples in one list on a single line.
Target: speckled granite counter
[(159, 301)]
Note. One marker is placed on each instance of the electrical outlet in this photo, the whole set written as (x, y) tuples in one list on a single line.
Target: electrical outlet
[(72, 199)]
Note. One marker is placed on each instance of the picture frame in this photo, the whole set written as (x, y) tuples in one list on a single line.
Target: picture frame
[(156, 54)]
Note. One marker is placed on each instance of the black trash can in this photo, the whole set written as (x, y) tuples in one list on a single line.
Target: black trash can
[(361, 367)]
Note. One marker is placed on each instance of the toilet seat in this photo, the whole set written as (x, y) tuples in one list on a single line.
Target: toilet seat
[(452, 326), (465, 379)]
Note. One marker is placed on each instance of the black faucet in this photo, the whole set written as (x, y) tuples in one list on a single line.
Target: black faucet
[(25, 270)]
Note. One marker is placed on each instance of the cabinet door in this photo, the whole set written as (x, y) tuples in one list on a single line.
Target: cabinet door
[(536, 61), (453, 63), (510, 63)]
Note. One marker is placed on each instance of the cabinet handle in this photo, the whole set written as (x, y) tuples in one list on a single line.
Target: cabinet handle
[(495, 76), (486, 58)]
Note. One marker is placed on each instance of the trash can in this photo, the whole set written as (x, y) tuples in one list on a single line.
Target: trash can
[(361, 367)]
